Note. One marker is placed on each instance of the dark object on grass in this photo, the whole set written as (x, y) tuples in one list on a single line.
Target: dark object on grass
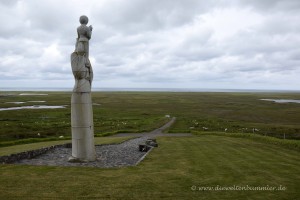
[(151, 142), (144, 148)]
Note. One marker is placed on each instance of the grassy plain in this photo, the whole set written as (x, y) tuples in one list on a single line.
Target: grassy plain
[(180, 168), (116, 112), (207, 165)]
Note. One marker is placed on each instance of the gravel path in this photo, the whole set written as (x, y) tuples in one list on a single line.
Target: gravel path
[(107, 156), (156, 132)]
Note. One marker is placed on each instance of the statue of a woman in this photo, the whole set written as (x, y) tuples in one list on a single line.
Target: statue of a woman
[(83, 147)]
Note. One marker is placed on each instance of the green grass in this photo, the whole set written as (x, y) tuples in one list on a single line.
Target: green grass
[(26, 147), (133, 112), (116, 112), (168, 172), (208, 159), (290, 144)]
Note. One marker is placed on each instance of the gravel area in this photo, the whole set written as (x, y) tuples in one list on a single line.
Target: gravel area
[(115, 155), (107, 156)]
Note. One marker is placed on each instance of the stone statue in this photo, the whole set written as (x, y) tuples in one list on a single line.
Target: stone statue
[(83, 147), (81, 66)]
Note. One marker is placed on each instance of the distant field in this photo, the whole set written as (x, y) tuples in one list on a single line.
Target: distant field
[(116, 112)]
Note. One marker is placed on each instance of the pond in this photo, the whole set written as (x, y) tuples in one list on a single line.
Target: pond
[(32, 107), (21, 102), (16, 102), (32, 94), (282, 100)]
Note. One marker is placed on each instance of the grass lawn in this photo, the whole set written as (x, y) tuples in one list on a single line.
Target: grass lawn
[(170, 171)]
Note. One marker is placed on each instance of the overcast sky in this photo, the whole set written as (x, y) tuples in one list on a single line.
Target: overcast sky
[(236, 44)]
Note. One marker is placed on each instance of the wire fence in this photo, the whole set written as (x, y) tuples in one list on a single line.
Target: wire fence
[(290, 136)]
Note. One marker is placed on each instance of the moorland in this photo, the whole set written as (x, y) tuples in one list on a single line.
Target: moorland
[(237, 150)]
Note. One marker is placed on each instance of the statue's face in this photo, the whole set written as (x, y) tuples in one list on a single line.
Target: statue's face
[(83, 19)]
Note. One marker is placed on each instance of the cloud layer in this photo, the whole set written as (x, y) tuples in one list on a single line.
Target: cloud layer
[(158, 43)]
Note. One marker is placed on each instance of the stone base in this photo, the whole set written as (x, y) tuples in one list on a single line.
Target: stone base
[(77, 160), (83, 146)]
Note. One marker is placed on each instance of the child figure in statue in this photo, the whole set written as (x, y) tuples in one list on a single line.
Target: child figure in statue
[(84, 35), (81, 66)]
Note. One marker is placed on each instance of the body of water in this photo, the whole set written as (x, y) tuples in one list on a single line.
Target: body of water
[(32, 107), (283, 100)]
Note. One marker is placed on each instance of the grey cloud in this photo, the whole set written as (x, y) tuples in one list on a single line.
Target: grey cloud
[(8, 3), (164, 43), (142, 15), (271, 5)]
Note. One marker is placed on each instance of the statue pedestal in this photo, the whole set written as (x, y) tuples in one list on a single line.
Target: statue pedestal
[(83, 147)]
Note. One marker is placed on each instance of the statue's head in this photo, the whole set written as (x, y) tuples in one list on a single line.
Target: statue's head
[(83, 19)]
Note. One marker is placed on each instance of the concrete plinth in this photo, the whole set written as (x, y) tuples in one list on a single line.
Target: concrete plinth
[(83, 147)]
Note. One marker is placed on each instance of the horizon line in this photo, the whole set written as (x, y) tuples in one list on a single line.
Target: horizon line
[(147, 89)]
